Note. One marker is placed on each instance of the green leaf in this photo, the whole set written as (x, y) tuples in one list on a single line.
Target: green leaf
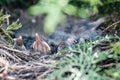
[(116, 47), (70, 9), (14, 26), (95, 10), (52, 21), (84, 12), (3, 18)]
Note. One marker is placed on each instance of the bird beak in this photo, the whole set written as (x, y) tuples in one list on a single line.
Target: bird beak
[(40, 44), (19, 43)]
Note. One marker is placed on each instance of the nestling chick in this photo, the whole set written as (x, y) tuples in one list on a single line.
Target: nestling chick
[(40, 44), (20, 40), (62, 45), (19, 43)]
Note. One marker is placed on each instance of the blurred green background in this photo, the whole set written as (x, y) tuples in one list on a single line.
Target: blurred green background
[(56, 10)]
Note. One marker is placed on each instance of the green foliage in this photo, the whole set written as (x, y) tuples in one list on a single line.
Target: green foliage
[(4, 2), (83, 63), (14, 26), (56, 9), (53, 9), (109, 7), (8, 30), (17, 3), (113, 72), (116, 47)]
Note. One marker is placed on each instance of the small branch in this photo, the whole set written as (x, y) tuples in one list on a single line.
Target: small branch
[(7, 35), (108, 27), (108, 65), (14, 50), (45, 73), (3, 52)]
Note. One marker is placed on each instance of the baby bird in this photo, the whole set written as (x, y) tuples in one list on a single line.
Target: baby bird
[(19, 43), (40, 44)]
